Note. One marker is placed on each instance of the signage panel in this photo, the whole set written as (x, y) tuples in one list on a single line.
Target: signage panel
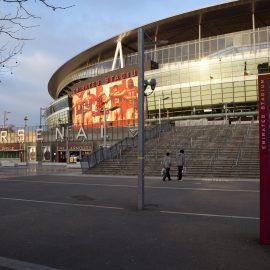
[(264, 110), (119, 100)]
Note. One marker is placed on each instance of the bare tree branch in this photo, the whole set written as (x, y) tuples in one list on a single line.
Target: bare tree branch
[(13, 28)]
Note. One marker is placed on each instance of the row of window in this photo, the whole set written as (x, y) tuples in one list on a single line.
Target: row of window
[(58, 105), (238, 43), (9, 154), (59, 118), (241, 91)]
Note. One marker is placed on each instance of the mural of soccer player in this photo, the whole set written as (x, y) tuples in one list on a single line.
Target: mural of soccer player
[(116, 96), (77, 107), (101, 101), (32, 153), (74, 101), (131, 103), (89, 100)]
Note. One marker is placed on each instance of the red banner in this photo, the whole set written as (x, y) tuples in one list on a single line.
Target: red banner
[(11, 147), (118, 99), (264, 85)]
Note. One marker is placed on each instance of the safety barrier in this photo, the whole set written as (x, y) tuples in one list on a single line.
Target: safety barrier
[(114, 151)]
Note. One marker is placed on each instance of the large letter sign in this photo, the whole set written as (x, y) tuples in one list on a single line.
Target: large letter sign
[(264, 110)]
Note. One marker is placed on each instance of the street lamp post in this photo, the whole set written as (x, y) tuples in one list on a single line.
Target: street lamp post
[(41, 115), (142, 85), (140, 119), (25, 121), (159, 107), (5, 117)]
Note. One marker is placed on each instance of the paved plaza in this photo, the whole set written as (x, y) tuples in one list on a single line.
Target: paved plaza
[(57, 218)]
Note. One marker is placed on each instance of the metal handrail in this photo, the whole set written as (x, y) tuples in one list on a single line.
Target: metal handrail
[(104, 153), (240, 152)]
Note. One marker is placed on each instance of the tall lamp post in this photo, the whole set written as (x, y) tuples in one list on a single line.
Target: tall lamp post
[(142, 85), (159, 107), (140, 119), (41, 115), (25, 121), (5, 117)]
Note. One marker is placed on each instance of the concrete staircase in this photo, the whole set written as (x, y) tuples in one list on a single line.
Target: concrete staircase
[(218, 151)]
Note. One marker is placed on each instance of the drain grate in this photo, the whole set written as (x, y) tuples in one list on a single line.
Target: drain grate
[(82, 197)]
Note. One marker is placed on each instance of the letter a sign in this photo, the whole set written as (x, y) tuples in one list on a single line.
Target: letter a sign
[(264, 110)]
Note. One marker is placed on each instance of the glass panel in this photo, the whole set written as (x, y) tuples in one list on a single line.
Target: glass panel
[(246, 39), (239, 99), (177, 103), (206, 47), (195, 95), (251, 83), (227, 99), (165, 55), (192, 52), (172, 54), (185, 52), (176, 93), (216, 99), (194, 71), (159, 56), (213, 46), (229, 41), (178, 53), (221, 43), (236, 84), (204, 72)]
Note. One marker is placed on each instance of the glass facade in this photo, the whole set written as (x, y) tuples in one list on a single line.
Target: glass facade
[(59, 112), (216, 74)]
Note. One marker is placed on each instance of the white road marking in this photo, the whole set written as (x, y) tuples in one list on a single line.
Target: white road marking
[(20, 265), (209, 189), (134, 186), (209, 215), (62, 203)]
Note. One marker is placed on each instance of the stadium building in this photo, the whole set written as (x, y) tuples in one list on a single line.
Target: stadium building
[(205, 65)]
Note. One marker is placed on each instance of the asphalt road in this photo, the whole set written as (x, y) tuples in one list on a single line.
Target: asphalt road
[(67, 221)]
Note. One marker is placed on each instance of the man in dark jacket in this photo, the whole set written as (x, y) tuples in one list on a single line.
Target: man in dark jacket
[(180, 160), (167, 165)]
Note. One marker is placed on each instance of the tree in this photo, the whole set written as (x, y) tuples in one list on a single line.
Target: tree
[(16, 19)]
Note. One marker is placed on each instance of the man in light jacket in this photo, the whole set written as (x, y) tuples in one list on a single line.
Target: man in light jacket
[(167, 165), (180, 160)]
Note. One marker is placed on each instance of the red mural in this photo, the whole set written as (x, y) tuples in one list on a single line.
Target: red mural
[(117, 101)]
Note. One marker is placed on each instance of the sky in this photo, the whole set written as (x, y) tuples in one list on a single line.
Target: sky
[(64, 33)]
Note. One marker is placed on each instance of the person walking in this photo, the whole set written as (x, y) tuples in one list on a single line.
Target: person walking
[(167, 165), (180, 160)]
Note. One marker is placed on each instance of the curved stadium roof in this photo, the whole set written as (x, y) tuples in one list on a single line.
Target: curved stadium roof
[(215, 20)]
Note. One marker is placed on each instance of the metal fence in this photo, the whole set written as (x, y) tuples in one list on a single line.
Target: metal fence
[(115, 151)]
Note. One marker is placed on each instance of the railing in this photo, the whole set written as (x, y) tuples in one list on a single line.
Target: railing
[(115, 151), (242, 146)]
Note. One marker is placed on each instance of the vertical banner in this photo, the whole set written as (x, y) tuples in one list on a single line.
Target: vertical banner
[(264, 110)]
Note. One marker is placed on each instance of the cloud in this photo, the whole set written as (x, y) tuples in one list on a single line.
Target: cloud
[(25, 91), (35, 68), (65, 33)]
